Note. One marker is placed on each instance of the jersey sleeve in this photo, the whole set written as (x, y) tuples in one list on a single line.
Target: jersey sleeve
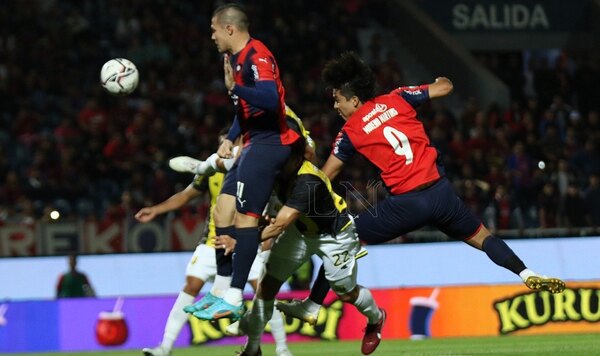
[(343, 147), (304, 188), (414, 95), (263, 67)]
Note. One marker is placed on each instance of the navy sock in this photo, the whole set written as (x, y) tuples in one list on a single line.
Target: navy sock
[(224, 263), (245, 252), (499, 252), (320, 287)]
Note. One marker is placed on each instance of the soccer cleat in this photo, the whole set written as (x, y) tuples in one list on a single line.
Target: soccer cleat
[(296, 309), (552, 285), (372, 336), (244, 353), (184, 164), (221, 309), (204, 302), (361, 253), (283, 351), (157, 351)]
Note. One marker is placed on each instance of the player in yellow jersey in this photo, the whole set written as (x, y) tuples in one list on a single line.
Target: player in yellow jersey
[(313, 220), (202, 266)]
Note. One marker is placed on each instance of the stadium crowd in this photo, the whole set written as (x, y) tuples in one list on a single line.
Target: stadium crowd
[(65, 144)]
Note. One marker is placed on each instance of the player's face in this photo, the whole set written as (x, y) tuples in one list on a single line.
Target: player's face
[(345, 107), (220, 35)]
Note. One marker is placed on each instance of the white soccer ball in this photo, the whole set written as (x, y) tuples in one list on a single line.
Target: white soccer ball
[(119, 76)]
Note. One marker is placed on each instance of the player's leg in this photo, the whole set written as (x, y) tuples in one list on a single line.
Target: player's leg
[(457, 221), (257, 169), (223, 215), (276, 321), (308, 308), (287, 255), (340, 266), (200, 268)]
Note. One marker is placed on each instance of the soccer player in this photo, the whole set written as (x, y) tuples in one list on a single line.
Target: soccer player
[(202, 266), (313, 220), (386, 131), (252, 79)]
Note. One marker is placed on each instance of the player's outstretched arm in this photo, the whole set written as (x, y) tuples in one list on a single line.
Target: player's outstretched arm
[(174, 202), (332, 167), (441, 87), (285, 217)]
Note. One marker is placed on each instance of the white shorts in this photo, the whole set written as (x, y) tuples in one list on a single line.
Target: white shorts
[(203, 264), (292, 249)]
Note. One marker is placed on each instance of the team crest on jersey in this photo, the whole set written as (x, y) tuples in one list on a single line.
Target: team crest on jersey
[(238, 68)]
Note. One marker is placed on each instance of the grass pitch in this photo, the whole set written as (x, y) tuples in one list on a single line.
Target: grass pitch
[(580, 344)]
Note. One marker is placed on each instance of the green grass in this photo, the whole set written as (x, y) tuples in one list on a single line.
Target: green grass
[(580, 344)]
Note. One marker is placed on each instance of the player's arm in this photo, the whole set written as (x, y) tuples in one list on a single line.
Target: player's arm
[(417, 95), (343, 150), (174, 202), (441, 87), (284, 218), (332, 167), (264, 94)]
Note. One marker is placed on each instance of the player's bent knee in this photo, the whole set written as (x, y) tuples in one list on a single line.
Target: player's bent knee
[(344, 287)]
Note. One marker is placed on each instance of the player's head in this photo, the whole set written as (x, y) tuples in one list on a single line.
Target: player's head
[(72, 262), (228, 23), (352, 82)]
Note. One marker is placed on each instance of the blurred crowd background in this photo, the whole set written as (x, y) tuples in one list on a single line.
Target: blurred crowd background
[(67, 145)]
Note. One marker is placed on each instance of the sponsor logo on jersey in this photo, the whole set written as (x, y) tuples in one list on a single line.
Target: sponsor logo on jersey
[(377, 109)]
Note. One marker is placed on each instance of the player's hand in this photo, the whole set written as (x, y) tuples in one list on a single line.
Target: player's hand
[(145, 215), (225, 150), (226, 243), (229, 80)]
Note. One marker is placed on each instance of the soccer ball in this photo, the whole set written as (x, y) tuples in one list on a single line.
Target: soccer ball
[(119, 76)]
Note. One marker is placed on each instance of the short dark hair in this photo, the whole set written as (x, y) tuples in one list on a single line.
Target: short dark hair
[(233, 14), (351, 76)]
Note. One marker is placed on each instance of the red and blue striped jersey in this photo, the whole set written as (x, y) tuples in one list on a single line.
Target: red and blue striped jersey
[(255, 63)]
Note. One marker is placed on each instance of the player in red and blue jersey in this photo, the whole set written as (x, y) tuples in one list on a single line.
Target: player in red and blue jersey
[(253, 81), (386, 131)]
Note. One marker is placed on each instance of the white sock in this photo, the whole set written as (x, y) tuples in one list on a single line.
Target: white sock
[(220, 285), (366, 305), (526, 273), (262, 311), (278, 330), (311, 306), (233, 296), (176, 320)]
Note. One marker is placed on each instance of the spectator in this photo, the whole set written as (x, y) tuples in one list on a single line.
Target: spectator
[(74, 284)]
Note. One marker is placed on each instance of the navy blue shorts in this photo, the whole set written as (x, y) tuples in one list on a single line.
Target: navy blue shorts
[(252, 177), (437, 206)]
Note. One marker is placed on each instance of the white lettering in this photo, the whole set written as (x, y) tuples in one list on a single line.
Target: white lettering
[(376, 122), (520, 17), (494, 17), (16, 239), (539, 18), (59, 238), (377, 109), (460, 18), (100, 242)]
